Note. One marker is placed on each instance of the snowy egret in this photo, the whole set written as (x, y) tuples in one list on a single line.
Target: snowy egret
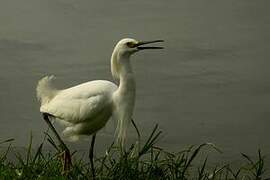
[(84, 109)]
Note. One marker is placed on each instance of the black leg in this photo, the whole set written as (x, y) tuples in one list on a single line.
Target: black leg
[(91, 155), (67, 156)]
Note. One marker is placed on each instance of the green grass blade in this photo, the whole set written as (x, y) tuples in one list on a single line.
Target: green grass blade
[(6, 141)]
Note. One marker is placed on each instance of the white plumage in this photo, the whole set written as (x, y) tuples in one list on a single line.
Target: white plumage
[(86, 108), (83, 109)]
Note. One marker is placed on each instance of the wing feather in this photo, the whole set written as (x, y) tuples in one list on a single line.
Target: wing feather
[(81, 103)]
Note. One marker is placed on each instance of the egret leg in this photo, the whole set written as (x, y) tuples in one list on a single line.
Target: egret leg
[(63, 146), (91, 155)]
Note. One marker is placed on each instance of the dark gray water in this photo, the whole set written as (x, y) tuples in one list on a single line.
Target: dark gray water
[(210, 84)]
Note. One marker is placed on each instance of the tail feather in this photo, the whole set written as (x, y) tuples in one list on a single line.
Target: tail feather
[(45, 89)]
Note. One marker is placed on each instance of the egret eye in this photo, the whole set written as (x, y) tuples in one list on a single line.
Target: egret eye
[(130, 45)]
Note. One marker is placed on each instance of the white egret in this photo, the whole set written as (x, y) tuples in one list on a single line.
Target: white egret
[(87, 107)]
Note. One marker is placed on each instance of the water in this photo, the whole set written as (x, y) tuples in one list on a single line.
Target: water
[(210, 84)]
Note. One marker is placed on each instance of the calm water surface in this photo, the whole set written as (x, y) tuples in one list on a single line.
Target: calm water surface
[(210, 84)]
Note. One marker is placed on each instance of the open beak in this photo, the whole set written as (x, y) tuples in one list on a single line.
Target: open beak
[(140, 47)]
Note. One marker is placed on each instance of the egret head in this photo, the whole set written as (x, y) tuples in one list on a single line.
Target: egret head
[(124, 49), (128, 46)]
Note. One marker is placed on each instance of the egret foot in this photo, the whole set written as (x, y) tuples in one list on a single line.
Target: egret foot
[(66, 157), (66, 161)]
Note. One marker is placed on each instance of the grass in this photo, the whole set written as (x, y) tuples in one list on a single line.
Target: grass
[(139, 162)]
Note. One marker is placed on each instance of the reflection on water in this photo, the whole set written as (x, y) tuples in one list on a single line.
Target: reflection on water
[(210, 84)]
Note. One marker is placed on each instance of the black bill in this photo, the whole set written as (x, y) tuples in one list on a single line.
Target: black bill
[(140, 47)]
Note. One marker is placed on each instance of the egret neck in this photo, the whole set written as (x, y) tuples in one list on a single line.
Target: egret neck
[(125, 94), (122, 73)]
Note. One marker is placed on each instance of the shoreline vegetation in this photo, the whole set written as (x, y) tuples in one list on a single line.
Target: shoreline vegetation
[(140, 161)]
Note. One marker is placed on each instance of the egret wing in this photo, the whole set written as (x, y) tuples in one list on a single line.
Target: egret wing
[(81, 103)]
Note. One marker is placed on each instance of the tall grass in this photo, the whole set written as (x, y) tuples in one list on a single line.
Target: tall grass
[(140, 161)]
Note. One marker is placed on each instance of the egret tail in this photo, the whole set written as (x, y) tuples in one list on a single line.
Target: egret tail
[(45, 89)]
